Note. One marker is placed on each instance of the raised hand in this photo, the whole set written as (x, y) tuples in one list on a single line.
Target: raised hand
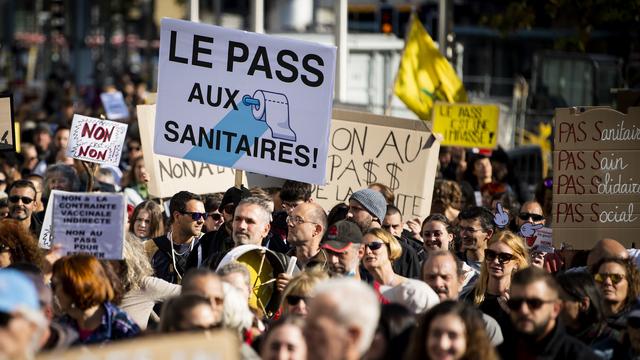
[(501, 218), (529, 229)]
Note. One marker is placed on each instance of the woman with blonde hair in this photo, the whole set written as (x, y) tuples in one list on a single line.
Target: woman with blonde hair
[(142, 290), (505, 254), (381, 249), (295, 296)]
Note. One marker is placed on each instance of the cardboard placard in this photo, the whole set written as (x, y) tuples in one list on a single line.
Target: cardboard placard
[(114, 105), (96, 140), (596, 181), (366, 148), (7, 127), (90, 223), (169, 175), (45, 239), (184, 346), (467, 125), (242, 100)]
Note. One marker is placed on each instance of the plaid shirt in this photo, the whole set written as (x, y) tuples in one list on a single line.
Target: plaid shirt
[(115, 324)]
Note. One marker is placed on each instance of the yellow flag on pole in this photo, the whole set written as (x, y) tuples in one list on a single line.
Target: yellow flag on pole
[(425, 75)]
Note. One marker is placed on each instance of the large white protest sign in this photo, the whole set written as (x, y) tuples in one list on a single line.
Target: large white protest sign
[(96, 140), (45, 239), (243, 100), (114, 105), (90, 223), (168, 175)]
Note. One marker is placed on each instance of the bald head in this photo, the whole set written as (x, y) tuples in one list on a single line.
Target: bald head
[(606, 248)]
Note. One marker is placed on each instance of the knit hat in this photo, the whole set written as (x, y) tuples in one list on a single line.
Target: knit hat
[(340, 235), (372, 201), (415, 295)]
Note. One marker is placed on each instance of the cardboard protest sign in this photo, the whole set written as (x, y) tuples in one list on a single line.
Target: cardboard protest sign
[(96, 140), (596, 176), (366, 148), (7, 127), (185, 346), (90, 223), (45, 239), (243, 100), (169, 175), (467, 125), (114, 105)]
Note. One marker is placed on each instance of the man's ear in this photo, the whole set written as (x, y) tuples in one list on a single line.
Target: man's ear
[(490, 233), (354, 335), (266, 229), (584, 303), (318, 229)]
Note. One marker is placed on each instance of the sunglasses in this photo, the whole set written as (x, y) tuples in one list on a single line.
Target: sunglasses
[(526, 216), (373, 246), (503, 258), (532, 303), (294, 300), (229, 208), (196, 216), (3, 181), (615, 278), (215, 216), (5, 318), (25, 200)]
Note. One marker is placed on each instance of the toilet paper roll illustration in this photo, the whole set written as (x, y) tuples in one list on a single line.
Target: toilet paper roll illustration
[(272, 108)]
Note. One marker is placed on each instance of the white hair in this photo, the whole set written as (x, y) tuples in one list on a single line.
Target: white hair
[(236, 314), (356, 305)]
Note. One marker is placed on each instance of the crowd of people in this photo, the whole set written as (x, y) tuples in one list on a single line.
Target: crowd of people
[(291, 279)]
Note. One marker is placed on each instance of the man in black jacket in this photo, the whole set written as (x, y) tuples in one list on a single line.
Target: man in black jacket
[(535, 305)]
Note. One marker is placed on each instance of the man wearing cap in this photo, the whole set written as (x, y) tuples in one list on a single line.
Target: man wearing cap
[(367, 209), (343, 244), (21, 322)]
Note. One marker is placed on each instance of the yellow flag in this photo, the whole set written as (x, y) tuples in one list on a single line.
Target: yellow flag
[(425, 75)]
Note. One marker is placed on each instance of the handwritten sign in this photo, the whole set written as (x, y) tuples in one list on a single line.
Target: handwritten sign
[(243, 100), (114, 105), (366, 148), (7, 137), (95, 140), (467, 125), (596, 181), (90, 223), (168, 175), (46, 232)]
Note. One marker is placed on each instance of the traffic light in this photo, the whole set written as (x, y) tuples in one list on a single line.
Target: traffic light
[(387, 19)]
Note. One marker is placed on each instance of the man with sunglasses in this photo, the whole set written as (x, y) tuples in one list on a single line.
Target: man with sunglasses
[(22, 205), (535, 306), (530, 212), (179, 250)]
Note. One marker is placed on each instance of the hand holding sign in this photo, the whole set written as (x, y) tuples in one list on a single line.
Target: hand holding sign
[(501, 218)]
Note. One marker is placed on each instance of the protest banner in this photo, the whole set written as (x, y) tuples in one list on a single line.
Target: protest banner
[(467, 125), (596, 176), (45, 239), (7, 127), (185, 346), (366, 148), (96, 140), (90, 223), (168, 175), (242, 100), (114, 105)]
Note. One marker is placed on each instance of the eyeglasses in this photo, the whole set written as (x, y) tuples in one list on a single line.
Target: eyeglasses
[(503, 258), (4, 248), (375, 245), (3, 181), (229, 208), (297, 220), (469, 230), (5, 318), (615, 278), (532, 303), (196, 216), (25, 199), (524, 216), (216, 216), (294, 300)]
